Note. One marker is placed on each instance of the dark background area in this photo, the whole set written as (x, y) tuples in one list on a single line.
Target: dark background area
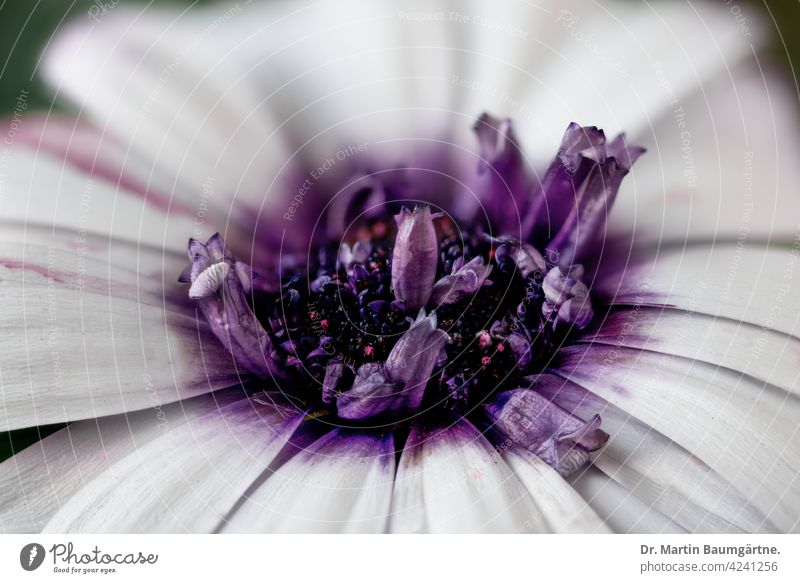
[(26, 26)]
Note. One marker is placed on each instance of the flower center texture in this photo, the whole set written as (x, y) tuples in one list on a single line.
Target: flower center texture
[(413, 316), (487, 319)]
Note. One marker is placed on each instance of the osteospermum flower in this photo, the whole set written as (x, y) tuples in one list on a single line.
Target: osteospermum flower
[(387, 322)]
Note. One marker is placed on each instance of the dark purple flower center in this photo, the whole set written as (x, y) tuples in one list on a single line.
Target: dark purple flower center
[(418, 317), (346, 312)]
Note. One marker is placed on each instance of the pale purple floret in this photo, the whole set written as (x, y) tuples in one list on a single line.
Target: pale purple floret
[(358, 253), (333, 374), (577, 192), (415, 257), (566, 298), (465, 280), (398, 386), (534, 422), (219, 283), (509, 176), (371, 394), (525, 256)]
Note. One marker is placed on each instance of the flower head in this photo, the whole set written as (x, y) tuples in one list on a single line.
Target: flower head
[(350, 334), (442, 330)]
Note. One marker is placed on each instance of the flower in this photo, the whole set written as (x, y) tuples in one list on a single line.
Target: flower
[(566, 297), (414, 257), (464, 281), (333, 362)]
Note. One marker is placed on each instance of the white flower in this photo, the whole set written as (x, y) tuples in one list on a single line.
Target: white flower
[(236, 118)]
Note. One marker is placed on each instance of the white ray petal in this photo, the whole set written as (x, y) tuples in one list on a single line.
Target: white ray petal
[(658, 471), (452, 480), (764, 354), (718, 163), (41, 189), (87, 148), (611, 61), (86, 346), (573, 60), (146, 266), (741, 428), (564, 509), (621, 510), (151, 79), (391, 73), (751, 283), (340, 483), (186, 480), (37, 481), (32, 256)]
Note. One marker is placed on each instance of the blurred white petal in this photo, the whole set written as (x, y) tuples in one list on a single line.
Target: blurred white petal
[(207, 87), (147, 77), (720, 163)]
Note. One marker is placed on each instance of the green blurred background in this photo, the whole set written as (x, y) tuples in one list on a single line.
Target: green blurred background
[(26, 26)]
